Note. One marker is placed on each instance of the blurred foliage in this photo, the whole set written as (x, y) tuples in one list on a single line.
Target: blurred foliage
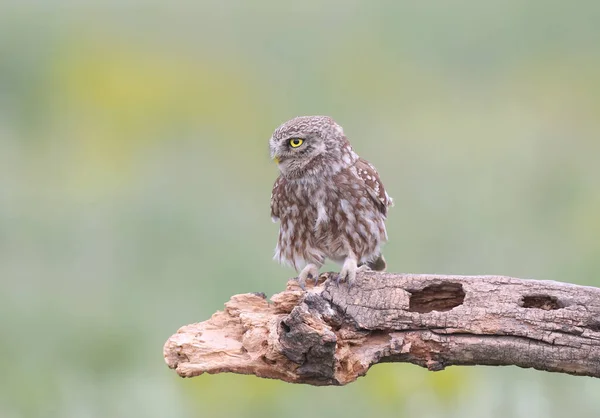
[(135, 184)]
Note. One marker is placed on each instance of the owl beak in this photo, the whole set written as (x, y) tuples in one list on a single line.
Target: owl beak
[(276, 159)]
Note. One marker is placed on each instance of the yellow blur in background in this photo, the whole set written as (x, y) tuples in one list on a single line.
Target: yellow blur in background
[(135, 183)]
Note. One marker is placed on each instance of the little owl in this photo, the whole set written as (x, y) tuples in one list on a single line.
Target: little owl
[(330, 203)]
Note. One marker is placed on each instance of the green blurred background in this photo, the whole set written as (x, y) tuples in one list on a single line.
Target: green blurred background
[(135, 185)]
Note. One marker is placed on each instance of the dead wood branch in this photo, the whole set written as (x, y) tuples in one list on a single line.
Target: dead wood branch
[(330, 334)]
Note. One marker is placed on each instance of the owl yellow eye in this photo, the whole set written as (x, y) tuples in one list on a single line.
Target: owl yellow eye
[(296, 142)]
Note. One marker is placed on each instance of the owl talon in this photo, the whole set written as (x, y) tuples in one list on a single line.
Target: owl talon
[(301, 283), (348, 273), (311, 271), (337, 279)]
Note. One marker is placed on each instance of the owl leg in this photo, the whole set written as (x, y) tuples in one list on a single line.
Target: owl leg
[(311, 271)]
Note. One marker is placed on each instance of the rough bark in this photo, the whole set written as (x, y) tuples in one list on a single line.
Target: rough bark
[(331, 334)]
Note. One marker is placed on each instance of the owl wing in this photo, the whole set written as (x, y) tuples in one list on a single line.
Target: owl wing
[(276, 197), (368, 174)]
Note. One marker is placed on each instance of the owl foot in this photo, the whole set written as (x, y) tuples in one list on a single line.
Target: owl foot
[(350, 270), (311, 271), (364, 267), (348, 273)]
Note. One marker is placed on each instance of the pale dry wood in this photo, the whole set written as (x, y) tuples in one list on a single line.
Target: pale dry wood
[(331, 334)]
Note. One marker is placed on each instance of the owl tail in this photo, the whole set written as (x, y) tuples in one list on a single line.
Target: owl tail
[(377, 264)]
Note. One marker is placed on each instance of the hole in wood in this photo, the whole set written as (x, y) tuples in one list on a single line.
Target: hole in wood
[(594, 325), (437, 297), (545, 302), (285, 327), (266, 360)]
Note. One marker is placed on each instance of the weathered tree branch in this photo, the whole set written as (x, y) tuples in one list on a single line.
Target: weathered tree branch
[(330, 334)]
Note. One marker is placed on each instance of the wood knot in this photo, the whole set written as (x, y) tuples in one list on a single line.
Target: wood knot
[(437, 297)]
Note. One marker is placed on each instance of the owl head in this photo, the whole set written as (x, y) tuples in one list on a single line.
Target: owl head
[(309, 147)]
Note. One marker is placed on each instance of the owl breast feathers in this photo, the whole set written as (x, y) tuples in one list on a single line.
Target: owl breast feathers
[(331, 204)]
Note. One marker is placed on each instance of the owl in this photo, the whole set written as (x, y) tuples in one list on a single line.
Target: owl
[(330, 203)]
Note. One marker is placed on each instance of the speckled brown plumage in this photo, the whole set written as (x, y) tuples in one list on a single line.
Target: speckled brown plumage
[(331, 204)]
